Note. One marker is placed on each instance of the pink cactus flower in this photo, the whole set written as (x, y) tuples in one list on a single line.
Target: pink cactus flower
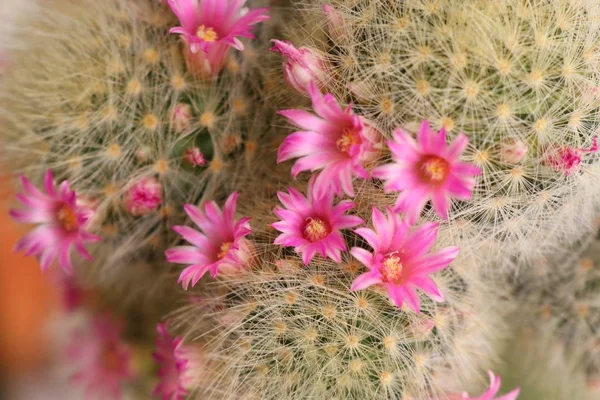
[(302, 66), (102, 359), (427, 169), (213, 26), (400, 261), (337, 142), (312, 225), (62, 223), (568, 159), (170, 358), (495, 383), (215, 247), (194, 156), (143, 197)]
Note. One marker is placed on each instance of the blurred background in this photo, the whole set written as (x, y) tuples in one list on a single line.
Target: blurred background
[(27, 299)]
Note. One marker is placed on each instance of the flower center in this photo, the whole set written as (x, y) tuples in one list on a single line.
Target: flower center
[(434, 169), (110, 359), (315, 229), (349, 138), (391, 269), (67, 218), (206, 33), (224, 249)]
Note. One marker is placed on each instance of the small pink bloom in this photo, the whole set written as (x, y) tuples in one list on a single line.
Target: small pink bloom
[(102, 359), (400, 261), (513, 150), (194, 156), (143, 197), (181, 117), (213, 26), (427, 169), (302, 66), (312, 225), (495, 383), (568, 159), (170, 358), (62, 223), (337, 142), (215, 247)]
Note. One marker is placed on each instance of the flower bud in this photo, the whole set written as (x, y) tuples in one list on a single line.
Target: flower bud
[(302, 66)]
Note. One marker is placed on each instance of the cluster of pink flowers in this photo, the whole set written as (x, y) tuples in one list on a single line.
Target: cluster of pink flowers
[(103, 361), (338, 146)]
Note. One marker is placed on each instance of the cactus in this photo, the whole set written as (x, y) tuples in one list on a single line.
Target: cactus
[(284, 330), (519, 78), (104, 96)]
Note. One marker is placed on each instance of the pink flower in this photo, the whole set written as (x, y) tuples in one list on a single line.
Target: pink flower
[(169, 357), (400, 261), (302, 66), (213, 26), (313, 224), (143, 197), (215, 247), (495, 383), (427, 169), (102, 360), (568, 159), (337, 142), (62, 223), (194, 156)]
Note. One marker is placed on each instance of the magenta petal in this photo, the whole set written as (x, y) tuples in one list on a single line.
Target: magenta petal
[(428, 286), (365, 280), (362, 255), (435, 262)]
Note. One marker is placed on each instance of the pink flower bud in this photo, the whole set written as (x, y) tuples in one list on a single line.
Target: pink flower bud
[(335, 24), (513, 150), (567, 159), (194, 156), (302, 66), (143, 197), (181, 117)]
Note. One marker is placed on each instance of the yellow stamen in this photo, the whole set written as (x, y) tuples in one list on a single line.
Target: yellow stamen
[(315, 229), (391, 269), (206, 33), (224, 249), (434, 169), (67, 218), (349, 138)]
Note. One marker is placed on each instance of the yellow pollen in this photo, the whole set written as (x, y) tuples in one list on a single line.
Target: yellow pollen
[(391, 269), (349, 138), (67, 218), (224, 249), (207, 34), (434, 169), (315, 229)]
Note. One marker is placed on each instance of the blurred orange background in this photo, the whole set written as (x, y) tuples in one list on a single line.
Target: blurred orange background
[(26, 299)]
